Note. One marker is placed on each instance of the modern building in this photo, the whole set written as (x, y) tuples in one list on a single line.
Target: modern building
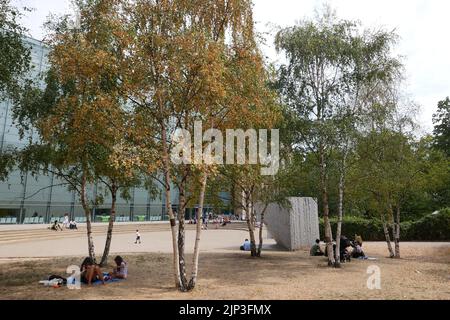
[(28, 199)]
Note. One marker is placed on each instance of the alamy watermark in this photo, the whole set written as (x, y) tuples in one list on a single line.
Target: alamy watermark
[(74, 281), (374, 280), (241, 147)]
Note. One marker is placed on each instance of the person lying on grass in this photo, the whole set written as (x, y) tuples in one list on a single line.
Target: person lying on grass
[(121, 269), (90, 272)]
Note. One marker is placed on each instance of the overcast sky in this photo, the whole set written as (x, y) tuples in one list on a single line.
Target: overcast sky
[(423, 25)]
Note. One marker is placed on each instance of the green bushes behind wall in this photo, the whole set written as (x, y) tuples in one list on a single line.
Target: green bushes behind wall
[(430, 228)]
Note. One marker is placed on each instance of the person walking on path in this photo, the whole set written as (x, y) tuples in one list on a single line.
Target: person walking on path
[(138, 237)]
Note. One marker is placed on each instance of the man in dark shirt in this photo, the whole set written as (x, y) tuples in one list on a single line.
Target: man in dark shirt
[(316, 251)]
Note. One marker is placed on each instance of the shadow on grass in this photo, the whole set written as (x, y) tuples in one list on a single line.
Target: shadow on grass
[(151, 275)]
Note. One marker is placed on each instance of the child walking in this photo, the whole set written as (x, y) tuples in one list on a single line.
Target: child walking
[(138, 237)]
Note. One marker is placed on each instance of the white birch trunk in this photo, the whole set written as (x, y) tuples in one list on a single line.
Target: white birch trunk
[(339, 223), (173, 224), (193, 281), (87, 213)]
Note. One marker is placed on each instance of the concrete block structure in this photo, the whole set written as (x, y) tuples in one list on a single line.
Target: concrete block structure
[(296, 227)]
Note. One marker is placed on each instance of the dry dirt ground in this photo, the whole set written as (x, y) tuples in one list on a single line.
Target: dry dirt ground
[(423, 273)]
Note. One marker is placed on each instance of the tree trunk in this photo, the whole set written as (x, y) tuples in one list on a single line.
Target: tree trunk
[(251, 226), (112, 219), (173, 223), (193, 281), (337, 263), (181, 238), (397, 233), (326, 210), (388, 238), (258, 253), (87, 213)]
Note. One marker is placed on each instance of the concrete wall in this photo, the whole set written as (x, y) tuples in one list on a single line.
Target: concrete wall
[(296, 227)]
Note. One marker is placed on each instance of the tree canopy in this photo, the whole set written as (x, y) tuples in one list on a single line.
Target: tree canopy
[(14, 54)]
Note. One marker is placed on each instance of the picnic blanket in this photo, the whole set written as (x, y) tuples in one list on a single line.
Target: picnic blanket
[(367, 258), (107, 278)]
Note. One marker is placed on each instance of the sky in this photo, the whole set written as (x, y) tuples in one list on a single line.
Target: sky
[(423, 27)]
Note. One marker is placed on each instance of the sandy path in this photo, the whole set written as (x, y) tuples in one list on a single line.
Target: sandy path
[(152, 242)]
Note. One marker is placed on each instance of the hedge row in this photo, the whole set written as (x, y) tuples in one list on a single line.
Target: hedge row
[(430, 228)]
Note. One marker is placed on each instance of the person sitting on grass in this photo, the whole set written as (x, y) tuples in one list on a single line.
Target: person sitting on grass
[(73, 225), (344, 253), (121, 269), (90, 272), (246, 246), (225, 222), (358, 252), (316, 251), (56, 226)]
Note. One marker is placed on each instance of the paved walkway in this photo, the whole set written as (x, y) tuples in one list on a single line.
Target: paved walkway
[(212, 241), (17, 227)]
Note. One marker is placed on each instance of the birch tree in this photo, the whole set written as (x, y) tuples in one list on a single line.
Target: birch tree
[(389, 169), (78, 122), (331, 66), (252, 194), (185, 59)]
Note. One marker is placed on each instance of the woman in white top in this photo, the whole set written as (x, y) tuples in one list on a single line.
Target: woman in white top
[(66, 222)]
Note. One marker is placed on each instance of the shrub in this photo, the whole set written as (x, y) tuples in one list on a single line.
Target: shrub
[(430, 228), (370, 230)]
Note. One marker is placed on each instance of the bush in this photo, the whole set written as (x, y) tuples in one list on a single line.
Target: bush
[(430, 228), (370, 230)]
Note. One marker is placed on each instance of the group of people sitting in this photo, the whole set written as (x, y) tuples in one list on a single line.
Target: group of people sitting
[(91, 272), (217, 221), (344, 252), (224, 221), (69, 224), (56, 226)]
